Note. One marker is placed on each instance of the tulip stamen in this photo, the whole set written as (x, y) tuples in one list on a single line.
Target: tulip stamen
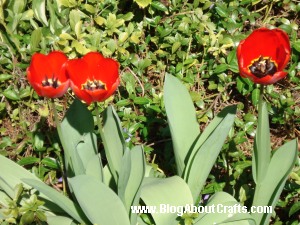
[(51, 82), (94, 85), (263, 66)]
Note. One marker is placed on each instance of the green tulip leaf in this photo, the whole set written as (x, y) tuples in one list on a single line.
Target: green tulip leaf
[(160, 193), (222, 208), (267, 192), (131, 176), (206, 150), (262, 145), (113, 149), (94, 167), (74, 133), (181, 118), (98, 201), (61, 220)]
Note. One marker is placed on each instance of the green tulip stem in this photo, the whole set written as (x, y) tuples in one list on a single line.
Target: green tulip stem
[(99, 122), (58, 127), (261, 98)]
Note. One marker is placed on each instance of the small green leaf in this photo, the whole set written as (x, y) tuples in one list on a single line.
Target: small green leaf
[(28, 160), (128, 16), (160, 6), (123, 102), (295, 208), (39, 9), (91, 9), (4, 77), (27, 218), (100, 20), (35, 40), (143, 3), (175, 46), (51, 162), (221, 68), (296, 45), (141, 100), (11, 94), (222, 10)]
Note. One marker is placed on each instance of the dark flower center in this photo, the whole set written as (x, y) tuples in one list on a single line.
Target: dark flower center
[(51, 82), (94, 85), (263, 66)]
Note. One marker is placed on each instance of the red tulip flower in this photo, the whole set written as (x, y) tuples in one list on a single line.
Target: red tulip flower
[(93, 78), (263, 55), (46, 76)]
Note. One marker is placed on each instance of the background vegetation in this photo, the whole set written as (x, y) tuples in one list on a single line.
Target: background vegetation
[(193, 40)]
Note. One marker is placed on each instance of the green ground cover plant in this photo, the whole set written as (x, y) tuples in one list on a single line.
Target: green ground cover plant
[(194, 41)]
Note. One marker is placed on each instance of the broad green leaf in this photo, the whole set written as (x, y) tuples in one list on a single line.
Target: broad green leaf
[(9, 180), (87, 148), (267, 192), (100, 204), (161, 192), (59, 199), (108, 178), (206, 150), (93, 167), (113, 149), (181, 118), (136, 178), (4, 199), (262, 145), (218, 214), (61, 220), (131, 176), (13, 176), (125, 170), (74, 131)]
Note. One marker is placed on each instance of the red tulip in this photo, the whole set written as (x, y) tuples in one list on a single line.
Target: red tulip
[(263, 55), (46, 76), (93, 78)]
